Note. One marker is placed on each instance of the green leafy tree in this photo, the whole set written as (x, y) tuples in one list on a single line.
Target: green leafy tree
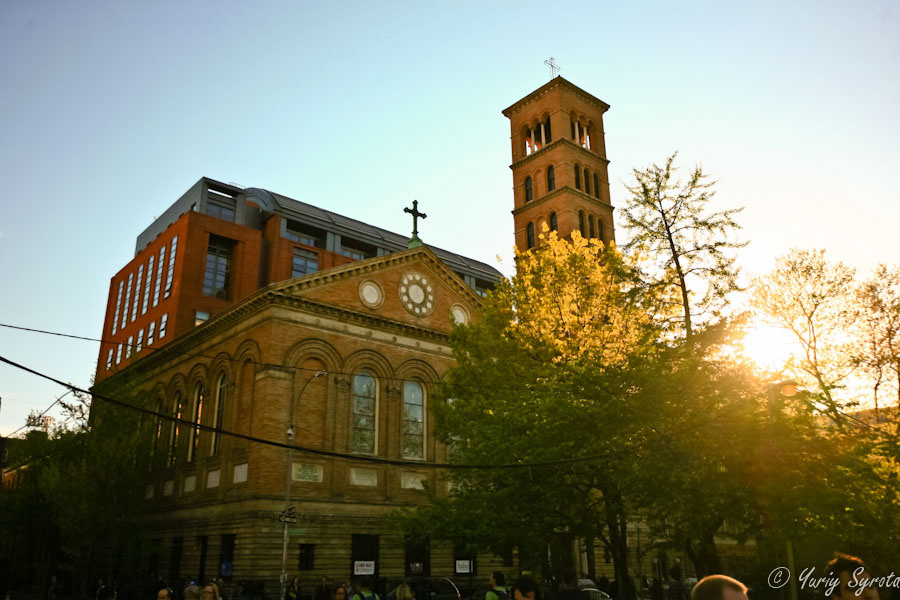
[(684, 245), (83, 487)]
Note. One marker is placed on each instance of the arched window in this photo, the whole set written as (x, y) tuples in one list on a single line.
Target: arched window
[(551, 179), (173, 433), (159, 409), (196, 414), (219, 415), (587, 182), (590, 225), (548, 137), (599, 229), (577, 177), (529, 189), (530, 232), (553, 223), (596, 186), (365, 404), (413, 420), (581, 222)]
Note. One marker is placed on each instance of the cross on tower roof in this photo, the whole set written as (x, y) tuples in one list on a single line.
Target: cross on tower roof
[(416, 215), (553, 68)]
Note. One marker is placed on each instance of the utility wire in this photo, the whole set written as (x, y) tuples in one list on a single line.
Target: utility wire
[(46, 410), (314, 451)]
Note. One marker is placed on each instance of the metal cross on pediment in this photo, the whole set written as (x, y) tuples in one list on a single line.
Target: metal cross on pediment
[(416, 215), (553, 68)]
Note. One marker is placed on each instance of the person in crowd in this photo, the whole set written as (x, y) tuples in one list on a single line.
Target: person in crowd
[(164, 593), (498, 589), (293, 590), (853, 575), (191, 592), (365, 590), (340, 593), (107, 592), (719, 587), (677, 589), (568, 590), (323, 590), (404, 592), (525, 588)]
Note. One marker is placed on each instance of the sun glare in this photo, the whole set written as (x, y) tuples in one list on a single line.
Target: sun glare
[(769, 347)]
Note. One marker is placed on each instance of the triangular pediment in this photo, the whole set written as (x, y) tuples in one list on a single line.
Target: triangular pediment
[(413, 287)]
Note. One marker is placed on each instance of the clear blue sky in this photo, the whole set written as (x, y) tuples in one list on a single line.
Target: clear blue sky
[(109, 111)]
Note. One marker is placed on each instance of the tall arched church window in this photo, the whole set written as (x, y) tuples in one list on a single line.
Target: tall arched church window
[(581, 223), (365, 404), (219, 415), (173, 433), (548, 137), (529, 189), (159, 409), (196, 414), (413, 420), (553, 223), (530, 233), (577, 177), (590, 225), (596, 186), (599, 229), (551, 179), (587, 182)]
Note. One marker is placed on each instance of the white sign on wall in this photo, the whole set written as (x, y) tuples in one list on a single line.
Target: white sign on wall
[(463, 566), (364, 567)]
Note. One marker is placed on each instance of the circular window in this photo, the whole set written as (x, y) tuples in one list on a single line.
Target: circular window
[(459, 315), (417, 294), (371, 294)]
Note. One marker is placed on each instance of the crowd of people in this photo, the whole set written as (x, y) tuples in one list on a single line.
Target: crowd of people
[(844, 572)]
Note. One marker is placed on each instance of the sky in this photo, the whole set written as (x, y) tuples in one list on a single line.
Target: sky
[(109, 111)]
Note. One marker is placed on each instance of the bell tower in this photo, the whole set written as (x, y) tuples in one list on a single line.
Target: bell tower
[(559, 164)]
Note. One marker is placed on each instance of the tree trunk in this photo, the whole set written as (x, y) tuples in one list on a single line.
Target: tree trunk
[(618, 536)]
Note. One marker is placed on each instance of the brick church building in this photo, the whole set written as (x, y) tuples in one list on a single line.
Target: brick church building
[(251, 312)]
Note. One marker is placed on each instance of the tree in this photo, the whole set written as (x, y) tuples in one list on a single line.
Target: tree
[(542, 380), (813, 300), (684, 245), (84, 488), (879, 348)]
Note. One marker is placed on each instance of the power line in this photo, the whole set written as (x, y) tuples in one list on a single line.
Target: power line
[(237, 360), (314, 451), (45, 411)]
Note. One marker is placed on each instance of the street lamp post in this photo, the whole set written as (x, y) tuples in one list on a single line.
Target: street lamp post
[(786, 388), (286, 515)]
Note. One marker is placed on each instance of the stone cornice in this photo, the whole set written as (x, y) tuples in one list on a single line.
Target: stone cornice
[(557, 81), (559, 191), (560, 142)]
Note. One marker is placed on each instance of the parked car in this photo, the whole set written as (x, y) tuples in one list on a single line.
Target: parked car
[(595, 594), (427, 588)]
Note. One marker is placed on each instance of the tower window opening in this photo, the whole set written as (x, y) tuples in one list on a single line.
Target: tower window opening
[(577, 178), (596, 186), (599, 229), (586, 138), (590, 225), (529, 189), (581, 222), (574, 136), (553, 223), (587, 182), (551, 179), (530, 234), (548, 137)]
